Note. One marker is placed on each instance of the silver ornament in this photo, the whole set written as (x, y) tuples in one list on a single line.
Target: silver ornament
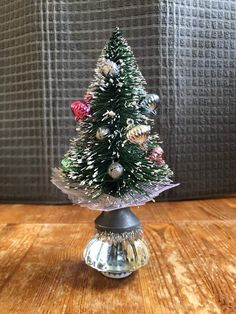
[(109, 67), (102, 133), (151, 101), (138, 134), (115, 170)]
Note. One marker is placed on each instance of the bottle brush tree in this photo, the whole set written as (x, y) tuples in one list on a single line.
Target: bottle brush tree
[(115, 160)]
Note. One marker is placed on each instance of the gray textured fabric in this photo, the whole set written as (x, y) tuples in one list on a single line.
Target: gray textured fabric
[(186, 51)]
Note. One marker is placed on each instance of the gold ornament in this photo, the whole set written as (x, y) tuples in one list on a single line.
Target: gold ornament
[(138, 134), (109, 68), (102, 133)]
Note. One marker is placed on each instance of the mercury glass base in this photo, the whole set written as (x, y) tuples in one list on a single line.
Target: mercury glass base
[(118, 248), (116, 255)]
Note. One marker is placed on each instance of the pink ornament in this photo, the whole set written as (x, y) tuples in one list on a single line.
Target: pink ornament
[(156, 154), (88, 97), (80, 109), (160, 161)]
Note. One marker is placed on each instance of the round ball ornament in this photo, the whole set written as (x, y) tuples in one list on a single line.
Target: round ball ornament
[(80, 109), (109, 67), (150, 102), (65, 164), (115, 170), (102, 133), (156, 155), (138, 134)]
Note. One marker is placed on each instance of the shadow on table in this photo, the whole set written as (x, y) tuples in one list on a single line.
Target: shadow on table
[(88, 278)]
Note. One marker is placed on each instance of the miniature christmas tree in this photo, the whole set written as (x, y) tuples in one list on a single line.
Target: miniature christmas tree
[(114, 161)]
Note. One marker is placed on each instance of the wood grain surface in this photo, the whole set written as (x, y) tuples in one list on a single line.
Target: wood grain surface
[(192, 268)]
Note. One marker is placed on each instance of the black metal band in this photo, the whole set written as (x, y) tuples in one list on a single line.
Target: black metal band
[(117, 221)]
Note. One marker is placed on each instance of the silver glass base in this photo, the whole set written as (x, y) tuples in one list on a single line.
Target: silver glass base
[(117, 275), (116, 255)]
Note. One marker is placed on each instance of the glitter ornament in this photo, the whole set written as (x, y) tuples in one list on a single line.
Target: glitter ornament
[(115, 170), (150, 102), (156, 154), (109, 67), (80, 109), (138, 134), (102, 133)]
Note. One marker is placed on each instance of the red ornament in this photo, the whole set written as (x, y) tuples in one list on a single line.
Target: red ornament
[(156, 154), (80, 109)]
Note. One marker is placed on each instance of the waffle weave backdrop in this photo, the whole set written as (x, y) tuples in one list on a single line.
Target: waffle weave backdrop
[(186, 51)]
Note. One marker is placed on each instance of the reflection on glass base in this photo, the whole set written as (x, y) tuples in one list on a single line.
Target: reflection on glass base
[(117, 255), (117, 275)]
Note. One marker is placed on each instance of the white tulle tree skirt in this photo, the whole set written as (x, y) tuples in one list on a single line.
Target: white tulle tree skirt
[(107, 202)]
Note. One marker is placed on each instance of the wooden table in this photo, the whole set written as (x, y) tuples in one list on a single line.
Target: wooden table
[(192, 268)]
